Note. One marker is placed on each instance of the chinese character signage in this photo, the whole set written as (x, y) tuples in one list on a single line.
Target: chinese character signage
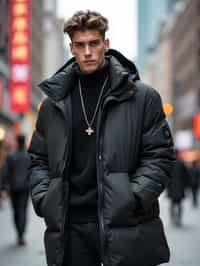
[(20, 55)]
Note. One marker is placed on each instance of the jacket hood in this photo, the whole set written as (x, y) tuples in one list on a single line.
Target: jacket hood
[(59, 85)]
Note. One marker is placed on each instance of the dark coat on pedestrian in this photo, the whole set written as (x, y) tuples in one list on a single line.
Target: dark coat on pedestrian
[(179, 181), (134, 158), (15, 171), (194, 176)]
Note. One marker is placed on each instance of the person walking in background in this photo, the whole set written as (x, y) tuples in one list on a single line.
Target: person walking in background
[(176, 190), (2, 158), (194, 182), (101, 155), (15, 178)]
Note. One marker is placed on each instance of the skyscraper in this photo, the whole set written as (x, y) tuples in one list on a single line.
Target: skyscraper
[(150, 14)]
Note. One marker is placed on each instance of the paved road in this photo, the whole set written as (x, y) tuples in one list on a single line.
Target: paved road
[(184, 242)]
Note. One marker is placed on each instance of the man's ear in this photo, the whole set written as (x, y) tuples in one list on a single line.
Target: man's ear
[(107, 43)]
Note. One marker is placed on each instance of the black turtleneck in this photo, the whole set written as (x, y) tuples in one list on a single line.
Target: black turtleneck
[(83, 177)]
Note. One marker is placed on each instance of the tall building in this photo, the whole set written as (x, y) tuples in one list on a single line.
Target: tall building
[(150, 15), (47, 51), (186, 67), (157, 71), (54, 54)]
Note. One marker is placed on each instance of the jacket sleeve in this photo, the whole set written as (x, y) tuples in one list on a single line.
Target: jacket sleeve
[(156, 153), (39, 171)]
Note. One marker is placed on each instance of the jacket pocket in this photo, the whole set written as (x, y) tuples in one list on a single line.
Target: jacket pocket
[(135, 245), (119, 200), (51, 206)]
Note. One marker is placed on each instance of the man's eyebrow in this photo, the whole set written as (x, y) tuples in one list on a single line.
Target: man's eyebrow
[(82, 42)]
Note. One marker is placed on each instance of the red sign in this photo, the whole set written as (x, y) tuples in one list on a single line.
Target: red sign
[(20, 55), (196, 125)]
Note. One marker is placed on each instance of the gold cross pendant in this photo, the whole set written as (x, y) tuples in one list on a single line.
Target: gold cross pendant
[(89, 131)]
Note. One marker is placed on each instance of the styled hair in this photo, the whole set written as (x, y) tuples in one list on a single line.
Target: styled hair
[(86, 20)]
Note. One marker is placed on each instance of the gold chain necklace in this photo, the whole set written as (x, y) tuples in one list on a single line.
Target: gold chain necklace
[(90, 130)]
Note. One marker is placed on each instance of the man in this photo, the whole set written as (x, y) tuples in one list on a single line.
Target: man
[(101, 155), (15, 176), (194, 182), (2, 158), (176, 190)]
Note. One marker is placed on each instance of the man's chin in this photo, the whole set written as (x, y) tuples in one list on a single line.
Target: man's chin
[(89, 70)]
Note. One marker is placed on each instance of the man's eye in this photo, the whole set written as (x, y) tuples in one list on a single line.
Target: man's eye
[(79, 45), (94, 43)]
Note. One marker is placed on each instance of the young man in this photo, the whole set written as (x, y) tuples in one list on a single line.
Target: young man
[(101, 155)]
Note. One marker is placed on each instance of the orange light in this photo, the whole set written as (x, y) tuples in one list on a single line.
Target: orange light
[(20, 23), (19, 38), (20, 52), (2, 132), (168, 108), (16, 127), (19, 1), (19, 95), (20, 9), (196, 125)]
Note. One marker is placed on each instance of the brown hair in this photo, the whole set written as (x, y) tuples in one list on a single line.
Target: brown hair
[(86, 20)]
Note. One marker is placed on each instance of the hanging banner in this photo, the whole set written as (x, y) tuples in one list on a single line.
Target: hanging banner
[(20, 55)]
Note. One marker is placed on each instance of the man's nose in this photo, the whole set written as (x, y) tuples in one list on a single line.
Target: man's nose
[(87, 50)]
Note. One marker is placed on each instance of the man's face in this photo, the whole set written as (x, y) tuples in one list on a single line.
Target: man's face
[(89, 48)]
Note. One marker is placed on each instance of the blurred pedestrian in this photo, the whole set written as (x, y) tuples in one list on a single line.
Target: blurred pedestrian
[(2, 158), (101, 155), (176, 190), (194, 182), (15, 174)]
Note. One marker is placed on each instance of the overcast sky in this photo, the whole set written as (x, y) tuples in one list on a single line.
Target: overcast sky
[(122, 20)]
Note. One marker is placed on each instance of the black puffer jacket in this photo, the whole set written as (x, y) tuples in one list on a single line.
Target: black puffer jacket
[(134, 159)]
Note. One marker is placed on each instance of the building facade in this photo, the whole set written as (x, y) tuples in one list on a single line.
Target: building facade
[(186, 67)]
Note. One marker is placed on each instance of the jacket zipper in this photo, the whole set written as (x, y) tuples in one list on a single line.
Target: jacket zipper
[(100, 184), (99, 163)]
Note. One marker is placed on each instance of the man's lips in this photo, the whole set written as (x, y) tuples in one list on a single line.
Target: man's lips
[(89, 61)]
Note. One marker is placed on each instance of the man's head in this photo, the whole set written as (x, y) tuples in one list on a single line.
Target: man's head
[(21, 139), (88, 44)]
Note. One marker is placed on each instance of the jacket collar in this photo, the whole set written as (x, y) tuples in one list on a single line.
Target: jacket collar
[(122, 71)]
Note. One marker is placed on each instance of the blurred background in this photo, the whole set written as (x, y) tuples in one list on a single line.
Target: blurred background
[(161, 37)]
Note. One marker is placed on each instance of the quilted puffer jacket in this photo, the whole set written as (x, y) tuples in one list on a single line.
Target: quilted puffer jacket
[(134, 160)]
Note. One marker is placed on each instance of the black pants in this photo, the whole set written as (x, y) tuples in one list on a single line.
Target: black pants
[(176, 212), (19, 201), (195, 196), (83, 245)]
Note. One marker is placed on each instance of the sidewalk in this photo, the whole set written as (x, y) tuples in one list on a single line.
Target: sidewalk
[(184, 241), (30, 255)]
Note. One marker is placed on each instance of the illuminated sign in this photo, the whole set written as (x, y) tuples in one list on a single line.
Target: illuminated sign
[(196, 125), (20, 55)]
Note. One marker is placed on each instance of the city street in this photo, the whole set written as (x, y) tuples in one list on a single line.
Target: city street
[(184, 242)]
